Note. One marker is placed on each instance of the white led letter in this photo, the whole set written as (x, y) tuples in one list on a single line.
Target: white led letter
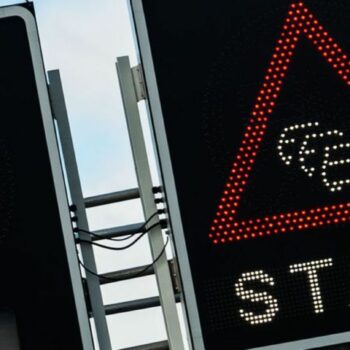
[(256, 297), (311, 269)]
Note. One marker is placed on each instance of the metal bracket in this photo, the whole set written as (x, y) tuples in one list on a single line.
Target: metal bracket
[(175, 275), (139, 82)]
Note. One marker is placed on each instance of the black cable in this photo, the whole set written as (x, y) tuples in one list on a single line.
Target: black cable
[(126, 246), (114, 239), (154, 261), (140, 229), (107, 238), (93, 273), (136, 274)]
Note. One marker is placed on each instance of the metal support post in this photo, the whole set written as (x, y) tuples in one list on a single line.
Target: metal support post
[(93, 283), (161, 267)]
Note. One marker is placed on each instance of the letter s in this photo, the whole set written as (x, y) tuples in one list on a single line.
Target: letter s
[(256, 297)]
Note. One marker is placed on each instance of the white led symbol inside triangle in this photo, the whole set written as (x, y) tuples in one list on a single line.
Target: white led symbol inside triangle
[(306, 151), (286, 139)]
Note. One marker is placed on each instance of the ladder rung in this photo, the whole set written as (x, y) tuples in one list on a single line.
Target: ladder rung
[(118, 231), (112, 197), (126, 274), (162, 345), (130, 273), (135, 305)]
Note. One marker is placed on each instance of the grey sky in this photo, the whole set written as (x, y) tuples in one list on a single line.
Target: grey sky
[(82, 38)]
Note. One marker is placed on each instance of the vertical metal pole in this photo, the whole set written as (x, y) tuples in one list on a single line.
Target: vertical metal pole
[(166, 292), (93, 284)]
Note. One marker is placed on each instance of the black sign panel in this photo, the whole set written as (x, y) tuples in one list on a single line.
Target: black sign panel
[(36, 287), (255, 98)]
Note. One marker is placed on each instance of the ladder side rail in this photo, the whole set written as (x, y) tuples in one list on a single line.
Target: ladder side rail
[(92, 281), (145, 185)]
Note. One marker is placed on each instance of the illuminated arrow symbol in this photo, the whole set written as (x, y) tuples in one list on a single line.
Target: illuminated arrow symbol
[(226, 227)]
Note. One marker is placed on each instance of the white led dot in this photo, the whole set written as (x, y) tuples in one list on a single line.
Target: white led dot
[(311, 269), (304, 153), (337, 185), (284, 140), (257, 297)]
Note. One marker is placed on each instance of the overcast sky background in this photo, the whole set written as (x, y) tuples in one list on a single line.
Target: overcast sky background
[(82, 38)]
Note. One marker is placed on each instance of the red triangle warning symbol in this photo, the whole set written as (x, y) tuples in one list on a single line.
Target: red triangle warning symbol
[(226, 226)]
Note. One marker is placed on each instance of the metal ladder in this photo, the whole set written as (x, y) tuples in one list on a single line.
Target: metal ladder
[(164, 270)]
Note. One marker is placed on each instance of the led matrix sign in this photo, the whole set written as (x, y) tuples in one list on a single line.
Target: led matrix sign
[(255, 102)]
